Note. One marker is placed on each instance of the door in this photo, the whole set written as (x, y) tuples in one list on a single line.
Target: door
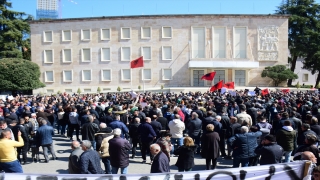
[(220, 75), (197, 74), (240, 77)]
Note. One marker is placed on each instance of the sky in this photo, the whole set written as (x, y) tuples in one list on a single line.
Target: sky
[(96, 8)]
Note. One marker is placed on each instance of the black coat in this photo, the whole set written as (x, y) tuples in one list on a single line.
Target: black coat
[(210, 145), (118, 150), (302, 136), (156, 127), (186, 156), (88, 130), (194, 127), (160, 163), (133, 131), (164, 123), (270, 154), (316, 129)]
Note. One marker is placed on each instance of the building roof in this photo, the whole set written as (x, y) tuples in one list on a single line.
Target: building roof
[(285, 16)]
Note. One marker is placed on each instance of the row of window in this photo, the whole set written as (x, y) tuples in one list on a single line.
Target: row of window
[(199, 43), (105, 54), (105, 74), (105, 34)]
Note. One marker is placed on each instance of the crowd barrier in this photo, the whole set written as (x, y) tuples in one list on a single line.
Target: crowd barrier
[(295, 170)]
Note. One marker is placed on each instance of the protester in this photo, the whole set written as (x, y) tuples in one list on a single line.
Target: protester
[(73, 164), (89, 160), (165, 143), (147, 136), (88, 131), (269, 150), (210, 147), (194, 129), (285, 138), (135, 136), (104, 150), (176, 127), (186, 154), (161, 161)]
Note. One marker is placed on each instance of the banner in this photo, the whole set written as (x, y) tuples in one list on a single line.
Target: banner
[(288, 171)]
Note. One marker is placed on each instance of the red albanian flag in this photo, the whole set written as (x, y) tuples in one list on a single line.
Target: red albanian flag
[(137, 63), (265, 91), (229, 85), (208, 76), (285, 91), (216, 86)]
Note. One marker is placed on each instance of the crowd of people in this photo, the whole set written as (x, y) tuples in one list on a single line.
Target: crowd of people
[(250, 130)]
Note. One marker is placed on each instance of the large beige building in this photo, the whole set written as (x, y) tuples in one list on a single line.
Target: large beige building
[(88, 53)]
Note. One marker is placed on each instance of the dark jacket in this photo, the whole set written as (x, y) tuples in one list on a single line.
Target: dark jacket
[(156, 127), (100, 136), (253, 113), (164, 123), (270, 153), (244, 144), (302, 136), (118, 150), (133, 131), (146, 132), (73, 165), (15, 129), (88, 130), (286, 138), (233, 129), (160, 163), (118, 124), (210, 145), (44, 115), (90, 162), (44, 135), (316, 128), (186, 156), (194, 127)]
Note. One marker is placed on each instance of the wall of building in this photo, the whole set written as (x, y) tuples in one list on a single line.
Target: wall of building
[(304, 76), (181, 43)]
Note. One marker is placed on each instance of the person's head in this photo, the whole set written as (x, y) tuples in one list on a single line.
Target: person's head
[(117, 132), (75, 145), (262, 119), (307, 155), (268, 139), (305, 126), (3, 124), (26, 118), (103, 125), (34, 115), (117, 116), (22, 121), (314, 121), (155, 149), (188, 141), (167, 135), (210, 127), (242, 107), (40, 109), (285, 115), (90, 118), (233, 120), (195, 115), (218, 118), (287, 123), (44, 122), (176, 116), (244, 129), (316, 173), (311, 139), (148, 120), (85, 145), (5, 134), (137, 120)]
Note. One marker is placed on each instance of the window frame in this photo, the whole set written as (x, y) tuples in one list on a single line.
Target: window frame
[(142, 73), (101, 34), (162, 35), (144, 58), (46, 78), (122, 74), (205, 43), (305, 79), (233, 42), (45, 56), (82, 60), (101, 54), (163, 74), (64, 76), (63, 37), (162, 53), (44, 36), (82, 75), (82, 38), (63, 56), (142, 27), (107, 69), (121, 35), (121, 55), (226, 41)]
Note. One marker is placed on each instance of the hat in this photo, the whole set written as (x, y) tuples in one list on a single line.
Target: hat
[(270, 138)]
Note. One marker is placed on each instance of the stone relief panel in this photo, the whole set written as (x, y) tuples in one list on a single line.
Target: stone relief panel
[(268, 43)]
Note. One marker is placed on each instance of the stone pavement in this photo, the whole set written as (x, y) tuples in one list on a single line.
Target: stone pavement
[(62, 149)]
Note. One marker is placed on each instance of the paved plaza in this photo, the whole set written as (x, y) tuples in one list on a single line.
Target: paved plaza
[(62, 149)]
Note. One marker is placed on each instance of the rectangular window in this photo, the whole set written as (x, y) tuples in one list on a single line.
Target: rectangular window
[(85, 35), (86, 55), (47, 36), (166, 32), (240, 42), (106, 74), (166, 74), (145, 32), (125, 74), (50, 91), (105, 54), (68, 90), (219, 42), (125, 33), (49, 76), (86, 90), (67, 55), (166, 52), (67, 76), (146, 74), (105, 34), (66, 35), (305, 77), (125, 54), (146, 52), (48, 56), (198, 42), (86, 75)]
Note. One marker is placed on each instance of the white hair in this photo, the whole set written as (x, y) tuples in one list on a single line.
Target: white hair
[(218, 118), (244, 129), (155, 147), (117, 132), (103, 125)]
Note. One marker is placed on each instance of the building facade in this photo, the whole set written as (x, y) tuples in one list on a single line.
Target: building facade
[(47, 9), (304, 76), (87, 53)]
